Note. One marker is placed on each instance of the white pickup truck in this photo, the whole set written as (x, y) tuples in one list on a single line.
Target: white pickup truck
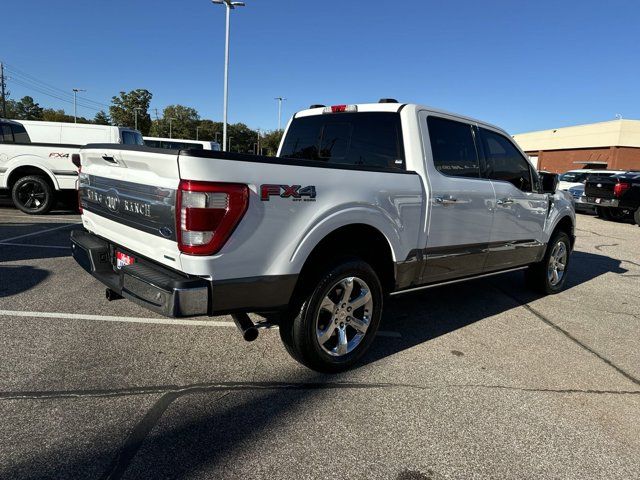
[(362, 201), (36, 158)]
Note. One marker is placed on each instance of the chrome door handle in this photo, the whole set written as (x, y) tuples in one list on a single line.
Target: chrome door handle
[(445, 200), (504, 201)]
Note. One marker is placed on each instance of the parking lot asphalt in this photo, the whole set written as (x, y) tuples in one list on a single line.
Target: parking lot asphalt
[(475, 380)]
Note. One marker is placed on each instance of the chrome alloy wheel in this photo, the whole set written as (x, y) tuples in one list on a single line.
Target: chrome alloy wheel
[(557, 263), (344, 316)]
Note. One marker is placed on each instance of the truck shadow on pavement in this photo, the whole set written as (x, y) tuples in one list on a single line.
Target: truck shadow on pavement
[(15, 279), (423, 316), (192, 428), (33, 241)]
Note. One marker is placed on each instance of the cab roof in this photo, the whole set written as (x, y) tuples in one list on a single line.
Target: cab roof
[(397, 107)]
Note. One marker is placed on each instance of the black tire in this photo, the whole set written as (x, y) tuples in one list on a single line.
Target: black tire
[(636, 216), (537, 275), (603, 212), (300, 332), (618, 214), (33, 195)]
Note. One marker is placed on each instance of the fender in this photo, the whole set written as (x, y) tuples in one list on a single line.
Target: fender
[(28, 161), (346, 215), (562, 207)]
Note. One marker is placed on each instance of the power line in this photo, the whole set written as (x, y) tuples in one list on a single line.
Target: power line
[(58, 97), (58, 91)]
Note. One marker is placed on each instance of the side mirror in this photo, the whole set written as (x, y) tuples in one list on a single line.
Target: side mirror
[(548, 182)]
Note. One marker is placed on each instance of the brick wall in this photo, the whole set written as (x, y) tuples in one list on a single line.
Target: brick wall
[(617, 158)]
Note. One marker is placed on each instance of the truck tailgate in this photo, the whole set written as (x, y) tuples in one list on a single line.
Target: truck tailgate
[(600, 187), (128, 196)]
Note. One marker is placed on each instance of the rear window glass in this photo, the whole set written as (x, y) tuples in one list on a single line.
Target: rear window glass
[(132, 138), (370, 139), (20, 135), (6, 136), (576, 177)]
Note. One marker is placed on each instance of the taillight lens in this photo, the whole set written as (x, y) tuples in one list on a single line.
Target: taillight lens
[(620, 188), (207, 213)]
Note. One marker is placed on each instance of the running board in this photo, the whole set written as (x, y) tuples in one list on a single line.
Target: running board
[(458, 280)]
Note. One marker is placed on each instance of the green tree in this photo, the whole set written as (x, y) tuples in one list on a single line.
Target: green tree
[(182, 120), (271, 141), (27, 109), (241, 138), (102, 118), (123, 108), (207, 130)]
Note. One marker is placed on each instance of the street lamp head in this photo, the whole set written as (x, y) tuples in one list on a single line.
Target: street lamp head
[(228, 3)]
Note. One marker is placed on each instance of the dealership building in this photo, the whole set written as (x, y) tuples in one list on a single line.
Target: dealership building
[(614, 145)]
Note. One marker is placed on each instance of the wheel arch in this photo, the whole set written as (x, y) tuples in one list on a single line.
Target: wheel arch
[(356, 239), (566, 224), (19, 171)]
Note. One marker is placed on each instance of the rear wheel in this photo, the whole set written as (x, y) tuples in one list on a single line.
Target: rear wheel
[(636, 216), (618, 214), (338, 318), (602, 212), (33, 195), (550, 274)]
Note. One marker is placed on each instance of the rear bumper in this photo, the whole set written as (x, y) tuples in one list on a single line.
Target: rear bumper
[(173, 294), (145, 283)]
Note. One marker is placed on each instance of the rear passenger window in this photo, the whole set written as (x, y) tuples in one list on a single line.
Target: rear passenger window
[(6, 136), (371, 139), (20, 135), (453, 148), (504, 161)]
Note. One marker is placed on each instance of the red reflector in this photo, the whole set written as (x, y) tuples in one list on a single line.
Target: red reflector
[(203, 219), (620, 188), (338, 108)]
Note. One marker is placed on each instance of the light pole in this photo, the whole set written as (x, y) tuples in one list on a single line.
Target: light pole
[(197, 132), (170, 119), (280, 100), (135, 115), (230, 6), (216, 134), (75, 103), (230, 143)]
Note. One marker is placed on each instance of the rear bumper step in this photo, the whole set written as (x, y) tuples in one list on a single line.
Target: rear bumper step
[(149, 285)]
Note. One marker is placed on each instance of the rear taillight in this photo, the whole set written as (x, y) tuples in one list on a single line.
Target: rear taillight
[(620, 188), (207, 213)]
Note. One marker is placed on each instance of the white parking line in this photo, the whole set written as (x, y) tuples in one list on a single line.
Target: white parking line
[(155, 321), (34, 245), (11, 239), (108, 318)]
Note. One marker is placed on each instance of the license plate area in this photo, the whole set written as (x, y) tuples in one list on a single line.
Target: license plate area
[(122, 259)]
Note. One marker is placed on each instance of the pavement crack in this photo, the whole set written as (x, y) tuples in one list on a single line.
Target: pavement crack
[(600, 247), (564, 332)]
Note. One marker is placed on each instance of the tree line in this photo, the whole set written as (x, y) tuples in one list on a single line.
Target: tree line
[(178, 121)]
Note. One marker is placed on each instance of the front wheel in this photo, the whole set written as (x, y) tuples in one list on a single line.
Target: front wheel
[(550, 274), (33, 195), (338, 319)]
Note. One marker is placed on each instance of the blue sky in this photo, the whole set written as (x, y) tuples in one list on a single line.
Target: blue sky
[(524, 65)]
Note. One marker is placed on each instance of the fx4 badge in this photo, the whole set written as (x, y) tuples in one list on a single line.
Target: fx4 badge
[(295, 192)]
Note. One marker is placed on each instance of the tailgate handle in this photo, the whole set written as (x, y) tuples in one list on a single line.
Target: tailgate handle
[(110, 159)]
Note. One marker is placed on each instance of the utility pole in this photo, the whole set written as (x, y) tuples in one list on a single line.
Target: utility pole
[(197, 131), (170, 119), (135, 115), (229, 6), (4, 99), (280, 100), (75, 103), (258, 148)]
